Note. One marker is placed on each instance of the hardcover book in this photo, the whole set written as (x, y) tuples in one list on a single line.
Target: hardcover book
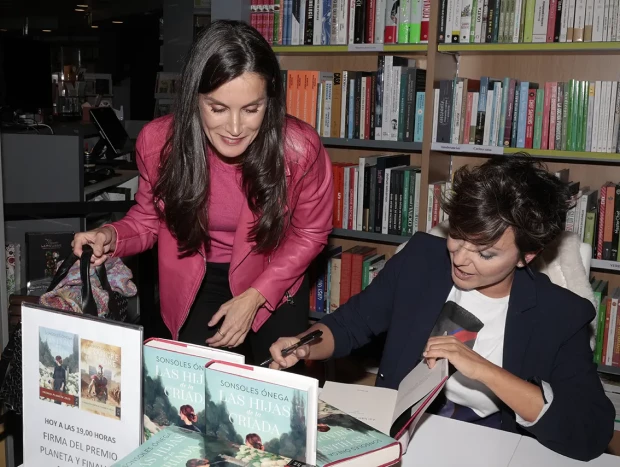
[(174, 385), (43, 251), (270, 409), (392, 412), (344, 440), (178, 447), (81, 383)]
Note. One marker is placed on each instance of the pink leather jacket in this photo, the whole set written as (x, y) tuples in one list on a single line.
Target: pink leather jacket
[(277, 276)]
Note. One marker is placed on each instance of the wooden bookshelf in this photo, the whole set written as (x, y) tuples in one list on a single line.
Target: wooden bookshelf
[(532, 47), (602, 157), (370, 236), (399, 146)]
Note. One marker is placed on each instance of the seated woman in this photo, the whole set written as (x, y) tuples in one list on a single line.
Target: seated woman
[(525, 364)]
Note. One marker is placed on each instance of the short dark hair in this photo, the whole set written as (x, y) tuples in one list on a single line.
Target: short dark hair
[(507, 191)]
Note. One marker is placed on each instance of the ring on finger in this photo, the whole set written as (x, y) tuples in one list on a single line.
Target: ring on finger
[(220, 333)]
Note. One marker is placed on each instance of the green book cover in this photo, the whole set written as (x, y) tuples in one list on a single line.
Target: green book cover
[(538, 118), (174, 387), (274, 415), (530, 13), (415, 28), (584, 115), (341, 436), (404, 24), (177, 447)]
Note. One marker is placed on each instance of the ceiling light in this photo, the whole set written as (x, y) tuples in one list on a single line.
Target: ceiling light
[(79, 9), (46, 30), (94, 26), (82, 6), (117, 22), (4, 30)]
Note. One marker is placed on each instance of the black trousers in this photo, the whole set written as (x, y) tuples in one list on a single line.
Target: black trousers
[(288, 320)]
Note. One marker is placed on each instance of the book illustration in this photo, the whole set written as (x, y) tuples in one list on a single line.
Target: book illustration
[(342, 436), (59, 367), (44, 251), (174, 391), (454, 320), (265, 415), (175, 446), (100, 378)]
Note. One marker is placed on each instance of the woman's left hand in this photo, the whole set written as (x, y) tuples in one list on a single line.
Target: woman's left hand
[(238, 315), (465, 360)]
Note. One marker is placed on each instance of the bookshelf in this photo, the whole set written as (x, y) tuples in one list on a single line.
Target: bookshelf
[(524, 61)]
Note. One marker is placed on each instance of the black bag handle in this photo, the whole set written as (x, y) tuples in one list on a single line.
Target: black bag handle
[(89, 306)]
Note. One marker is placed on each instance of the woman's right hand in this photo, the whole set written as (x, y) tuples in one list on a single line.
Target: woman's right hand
[(102, 240), (280, 362)]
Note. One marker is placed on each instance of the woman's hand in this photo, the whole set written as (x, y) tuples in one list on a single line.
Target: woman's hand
[(238, 315), (103, 241), (465, 360), (280, 362)]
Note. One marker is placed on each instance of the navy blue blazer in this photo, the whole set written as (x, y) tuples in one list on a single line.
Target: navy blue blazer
[(546, 336)]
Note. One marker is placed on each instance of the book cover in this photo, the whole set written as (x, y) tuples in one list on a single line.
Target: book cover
[(341, 437), (44, 251), (174, 385), (175, 446), (271, 415)]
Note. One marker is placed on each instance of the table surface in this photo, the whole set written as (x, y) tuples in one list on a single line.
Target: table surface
[(442, 442)]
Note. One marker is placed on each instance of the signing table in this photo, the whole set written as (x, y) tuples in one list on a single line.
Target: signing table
[(442, 442)]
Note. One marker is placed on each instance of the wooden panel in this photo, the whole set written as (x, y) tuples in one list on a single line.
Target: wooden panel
[(382, 249), (541, 68), (349, 62), (353, 155)]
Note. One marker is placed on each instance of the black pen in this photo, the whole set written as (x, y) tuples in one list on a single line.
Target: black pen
[(289, 350)]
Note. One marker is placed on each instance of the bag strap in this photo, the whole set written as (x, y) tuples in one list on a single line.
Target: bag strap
[(115, 313), (89, 306)]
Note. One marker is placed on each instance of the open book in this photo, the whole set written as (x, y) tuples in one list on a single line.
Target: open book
[(392, 412)]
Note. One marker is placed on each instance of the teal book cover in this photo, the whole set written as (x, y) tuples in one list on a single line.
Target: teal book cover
[(174, 391), (341, 437), (178, 447), (266, 415)]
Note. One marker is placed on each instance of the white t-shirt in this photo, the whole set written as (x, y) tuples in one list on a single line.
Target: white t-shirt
[(489, 344)]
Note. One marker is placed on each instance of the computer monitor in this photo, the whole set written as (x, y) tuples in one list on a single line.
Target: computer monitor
[(114, 139)]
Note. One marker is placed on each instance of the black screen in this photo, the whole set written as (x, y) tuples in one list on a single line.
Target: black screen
[(110, 127), (25, 73)]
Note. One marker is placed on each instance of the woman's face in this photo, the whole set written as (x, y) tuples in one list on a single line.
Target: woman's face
[(488, 269), (232, 114)]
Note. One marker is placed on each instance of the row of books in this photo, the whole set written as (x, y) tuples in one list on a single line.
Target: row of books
[(607, 344), (569, 116), (513, 21), (387, 104), (337, 275), (341, 22)]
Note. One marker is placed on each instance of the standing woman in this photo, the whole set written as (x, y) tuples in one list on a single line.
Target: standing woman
[(237, 195)]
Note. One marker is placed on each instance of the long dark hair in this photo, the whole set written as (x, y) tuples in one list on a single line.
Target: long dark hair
[(225, 51)]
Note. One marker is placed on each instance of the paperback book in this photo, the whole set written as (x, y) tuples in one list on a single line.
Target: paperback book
[(271, 410), (174, 385)]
